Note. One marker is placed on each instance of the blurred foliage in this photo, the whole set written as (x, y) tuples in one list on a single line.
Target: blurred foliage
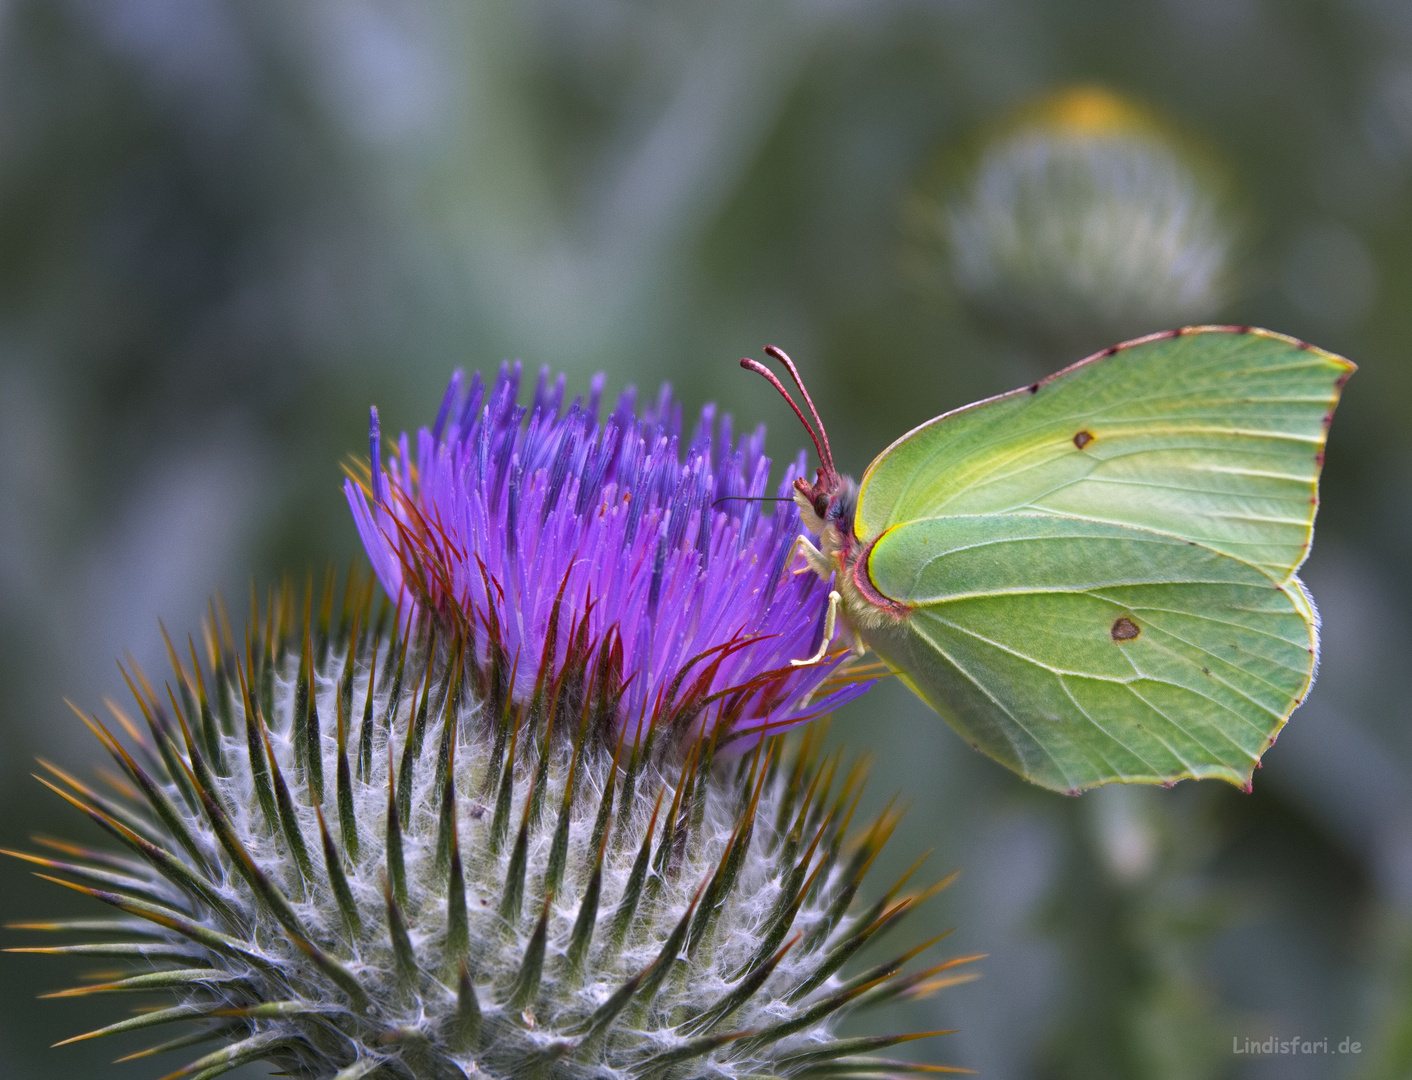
[(1134, 904), (227, 226)]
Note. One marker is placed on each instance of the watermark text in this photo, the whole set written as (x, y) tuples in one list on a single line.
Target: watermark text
[(1274, 1045)]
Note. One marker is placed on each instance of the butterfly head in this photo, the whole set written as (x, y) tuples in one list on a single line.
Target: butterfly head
[(827, 503)]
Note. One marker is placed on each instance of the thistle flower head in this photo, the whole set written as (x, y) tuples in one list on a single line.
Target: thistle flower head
[(556, 541), (440, 842), (343, 860)]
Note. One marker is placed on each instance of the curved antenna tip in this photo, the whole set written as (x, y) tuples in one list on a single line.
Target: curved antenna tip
[(825, 451), (820, 441)]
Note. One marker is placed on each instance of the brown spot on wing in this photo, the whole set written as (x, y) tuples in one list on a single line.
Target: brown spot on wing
[(1083, 438), (1034, 388), (1124, 629)]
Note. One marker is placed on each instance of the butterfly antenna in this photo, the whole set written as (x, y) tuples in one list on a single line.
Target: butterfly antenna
[(770, 377), (779, 354)]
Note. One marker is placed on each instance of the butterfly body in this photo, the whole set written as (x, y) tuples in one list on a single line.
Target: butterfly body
[(1092, 578), (840, 558)]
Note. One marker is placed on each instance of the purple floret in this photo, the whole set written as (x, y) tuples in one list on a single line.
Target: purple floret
[(561, 544)]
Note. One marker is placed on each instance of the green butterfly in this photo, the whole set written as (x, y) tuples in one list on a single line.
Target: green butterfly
[(1092, 578)]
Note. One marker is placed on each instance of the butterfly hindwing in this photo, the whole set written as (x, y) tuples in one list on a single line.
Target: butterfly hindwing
[(1078, 653)]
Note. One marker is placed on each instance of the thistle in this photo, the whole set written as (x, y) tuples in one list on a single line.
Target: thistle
[(1087, 220), (452, 833), (514, 521)]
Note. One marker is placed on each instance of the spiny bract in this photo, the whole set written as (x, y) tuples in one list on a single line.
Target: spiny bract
[(350, 853)]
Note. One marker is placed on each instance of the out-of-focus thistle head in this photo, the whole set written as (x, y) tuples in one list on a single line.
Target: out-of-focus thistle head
[(554, 542), (362, 843), (1086, 219)]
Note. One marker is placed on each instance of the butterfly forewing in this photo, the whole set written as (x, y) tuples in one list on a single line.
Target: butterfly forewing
[(1213, 435)]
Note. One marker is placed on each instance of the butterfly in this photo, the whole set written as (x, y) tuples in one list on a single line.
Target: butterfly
[(1092, 578)]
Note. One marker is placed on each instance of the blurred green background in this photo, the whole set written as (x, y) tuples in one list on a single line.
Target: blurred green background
[(226, 227)]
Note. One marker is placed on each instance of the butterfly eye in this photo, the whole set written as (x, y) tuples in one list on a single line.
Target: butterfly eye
[(821, 504)]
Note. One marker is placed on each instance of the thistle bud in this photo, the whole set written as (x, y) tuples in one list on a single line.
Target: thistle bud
[(1087, 220)]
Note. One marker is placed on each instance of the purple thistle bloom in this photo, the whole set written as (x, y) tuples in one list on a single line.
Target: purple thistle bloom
[(567, 551)]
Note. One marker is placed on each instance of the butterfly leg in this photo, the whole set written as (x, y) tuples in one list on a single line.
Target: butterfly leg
[(830, 626), (814, 559)]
